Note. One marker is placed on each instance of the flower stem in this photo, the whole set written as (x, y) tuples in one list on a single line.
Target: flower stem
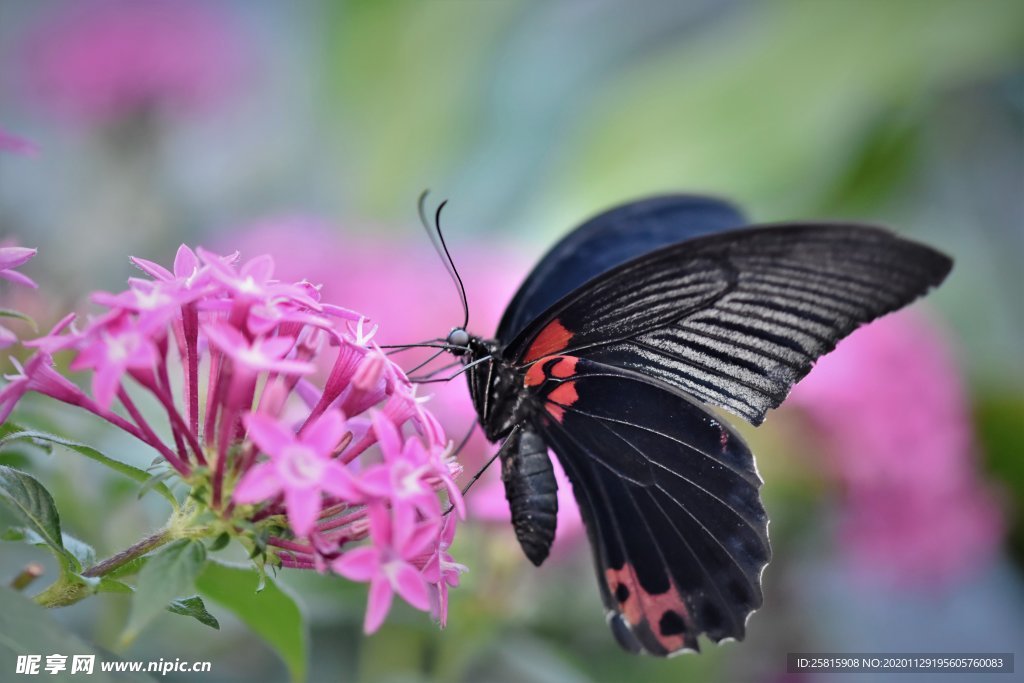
[(130, 553)]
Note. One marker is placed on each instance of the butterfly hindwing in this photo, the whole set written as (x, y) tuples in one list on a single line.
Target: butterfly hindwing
[(736, 318), (610, 239), (669, 495)]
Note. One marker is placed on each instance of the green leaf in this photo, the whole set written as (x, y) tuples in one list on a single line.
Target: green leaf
[(108, 585), (194, 607), (154, 481), (168, 573), (81, 552), (26, 628), (33, 505), (10, 432), (273, 614), (10, 313)]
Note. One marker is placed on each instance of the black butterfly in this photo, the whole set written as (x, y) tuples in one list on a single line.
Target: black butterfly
[(606, 355)]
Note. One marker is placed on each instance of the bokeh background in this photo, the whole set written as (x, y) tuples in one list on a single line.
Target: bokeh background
[(894, 476)]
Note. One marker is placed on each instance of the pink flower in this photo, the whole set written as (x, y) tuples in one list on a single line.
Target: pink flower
[(10, 258), (38, 375), (15, 145), (268, 444), (111, 350), (894, 419), (403, 476), (388, 565), (442, 572), (258, 355), (113, 58), (300, 467)]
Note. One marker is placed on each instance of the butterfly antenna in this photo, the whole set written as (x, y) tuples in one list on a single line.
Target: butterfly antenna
[(437, 239)]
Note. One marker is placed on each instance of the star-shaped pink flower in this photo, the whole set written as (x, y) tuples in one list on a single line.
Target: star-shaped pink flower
[(300, 467), (112, 349), (397, 540)]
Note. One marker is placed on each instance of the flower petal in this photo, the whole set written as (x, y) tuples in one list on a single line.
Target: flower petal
[(337, 481), (303, 506), (257, 485), (15, 276), (409, 583), (269, 434), (378, 604), (388, 435), (324, 434), (358, 564)]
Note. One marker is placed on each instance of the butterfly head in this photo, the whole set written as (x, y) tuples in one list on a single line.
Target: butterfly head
[(458, 341)]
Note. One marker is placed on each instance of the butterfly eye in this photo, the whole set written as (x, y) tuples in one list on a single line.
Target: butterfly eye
[(458, 337)]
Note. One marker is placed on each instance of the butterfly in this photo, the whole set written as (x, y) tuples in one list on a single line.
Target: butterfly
[(612, 353)]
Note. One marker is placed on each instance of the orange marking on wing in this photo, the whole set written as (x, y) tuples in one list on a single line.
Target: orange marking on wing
[(552, 339), (564, 394), (637, 605)]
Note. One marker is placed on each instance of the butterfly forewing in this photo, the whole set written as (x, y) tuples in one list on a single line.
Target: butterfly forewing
[(610, 239), (736, 318)]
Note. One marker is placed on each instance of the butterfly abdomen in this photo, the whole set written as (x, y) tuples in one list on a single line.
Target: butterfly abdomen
[(531, 491)]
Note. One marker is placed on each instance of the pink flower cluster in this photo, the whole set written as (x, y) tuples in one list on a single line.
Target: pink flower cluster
[(106, 59), (318, 467), (892, 412), (10, 258)]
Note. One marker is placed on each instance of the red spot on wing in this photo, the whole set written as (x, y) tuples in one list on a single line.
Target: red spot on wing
[(535, 375), (552, 339), (640, 607), (565, 367), (564, 394)]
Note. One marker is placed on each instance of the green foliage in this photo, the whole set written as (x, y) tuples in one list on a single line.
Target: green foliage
[(32, 504), (194, 607), (10, 432), (168, 573), (1000, 421), (272, 613), (26, 628)]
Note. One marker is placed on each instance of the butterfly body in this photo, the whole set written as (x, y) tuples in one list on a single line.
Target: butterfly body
[(608, 356)]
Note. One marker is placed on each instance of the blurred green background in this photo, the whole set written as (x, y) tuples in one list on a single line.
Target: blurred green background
[(314, 126)]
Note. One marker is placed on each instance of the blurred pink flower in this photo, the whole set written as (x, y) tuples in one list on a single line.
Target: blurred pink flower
[(106, 59), (10, 258), (412, 301), (15, 145), (893, 415)]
